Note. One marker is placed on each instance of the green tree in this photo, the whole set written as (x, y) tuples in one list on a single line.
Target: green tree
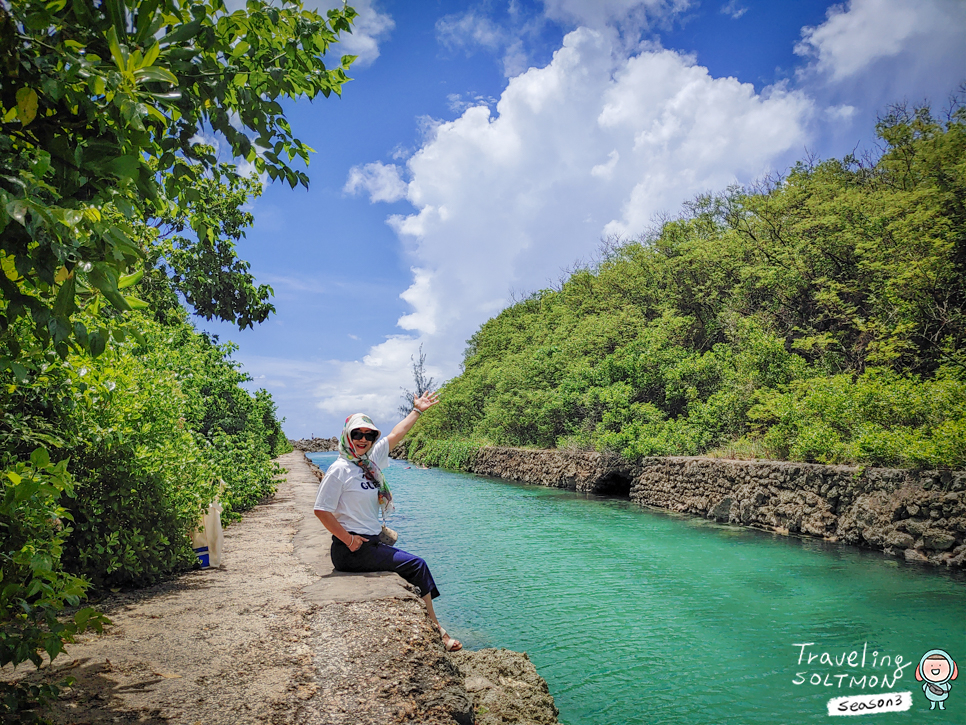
[(422, 383), (101, 107), (35, 590), (204, 271)]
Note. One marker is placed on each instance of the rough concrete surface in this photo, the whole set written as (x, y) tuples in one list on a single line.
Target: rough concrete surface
[(274, 636)]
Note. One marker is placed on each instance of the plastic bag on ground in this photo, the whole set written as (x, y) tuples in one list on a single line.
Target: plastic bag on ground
[(208, 540)]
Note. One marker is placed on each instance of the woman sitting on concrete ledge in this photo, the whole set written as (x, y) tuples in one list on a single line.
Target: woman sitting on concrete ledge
[(351, 495)]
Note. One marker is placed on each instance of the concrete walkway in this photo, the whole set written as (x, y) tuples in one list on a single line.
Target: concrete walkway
[(274, 636)]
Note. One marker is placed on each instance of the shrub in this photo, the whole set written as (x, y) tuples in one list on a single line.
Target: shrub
[(143, 475), (34, 589), (455, 455), (879, 418), (162, 427)]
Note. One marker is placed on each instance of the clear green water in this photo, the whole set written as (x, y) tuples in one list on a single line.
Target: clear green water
[(640, 616)]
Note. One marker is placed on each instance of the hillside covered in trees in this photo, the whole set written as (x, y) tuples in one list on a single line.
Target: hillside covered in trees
[(814, 317)]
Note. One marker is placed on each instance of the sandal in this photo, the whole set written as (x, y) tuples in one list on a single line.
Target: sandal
[(449, 644)]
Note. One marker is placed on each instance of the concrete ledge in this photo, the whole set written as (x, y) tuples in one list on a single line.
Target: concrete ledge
[(374, 633), (312, 544)]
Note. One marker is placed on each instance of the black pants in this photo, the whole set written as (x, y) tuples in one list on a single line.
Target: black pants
[(373, 556)]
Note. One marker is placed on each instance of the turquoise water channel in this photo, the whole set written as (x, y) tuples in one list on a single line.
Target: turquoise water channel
[(641, 616)]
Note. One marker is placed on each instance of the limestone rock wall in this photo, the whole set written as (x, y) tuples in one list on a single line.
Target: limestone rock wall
[(919, 515), (587, 471)]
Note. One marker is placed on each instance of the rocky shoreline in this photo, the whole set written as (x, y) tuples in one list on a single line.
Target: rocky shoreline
[(917, 515)]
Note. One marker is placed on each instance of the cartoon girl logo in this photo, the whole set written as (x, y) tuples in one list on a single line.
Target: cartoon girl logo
[(935, 670)]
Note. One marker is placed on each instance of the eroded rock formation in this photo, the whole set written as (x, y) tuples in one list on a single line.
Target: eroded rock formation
[(505, 688)]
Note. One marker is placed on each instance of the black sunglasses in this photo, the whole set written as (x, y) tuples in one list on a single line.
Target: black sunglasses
[(358, 435)]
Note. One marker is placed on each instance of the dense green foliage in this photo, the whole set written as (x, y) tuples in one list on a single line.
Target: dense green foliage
[(206, 272), (454, 454), (101, 106), (120, 423), (149, 430), (817, 317), (34, 588)]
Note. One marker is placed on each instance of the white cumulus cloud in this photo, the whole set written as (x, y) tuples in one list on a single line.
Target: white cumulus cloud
[(596, 142), (606, 170), (369, 29), (422, 298), (888, 50), (591, 144), (374, 384), (381, 181)]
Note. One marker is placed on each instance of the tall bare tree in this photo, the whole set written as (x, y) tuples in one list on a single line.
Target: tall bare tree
[(423, 383)]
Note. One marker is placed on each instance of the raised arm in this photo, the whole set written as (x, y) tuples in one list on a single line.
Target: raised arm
[(422, 403)]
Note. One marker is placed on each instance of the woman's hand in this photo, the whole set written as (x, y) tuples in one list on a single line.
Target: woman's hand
[(425, 401), (355, 543)]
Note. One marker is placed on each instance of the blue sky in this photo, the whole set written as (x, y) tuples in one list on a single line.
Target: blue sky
[(482, 148)]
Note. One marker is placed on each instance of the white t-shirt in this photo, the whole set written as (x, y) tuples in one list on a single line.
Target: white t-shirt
[(346, 493)]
